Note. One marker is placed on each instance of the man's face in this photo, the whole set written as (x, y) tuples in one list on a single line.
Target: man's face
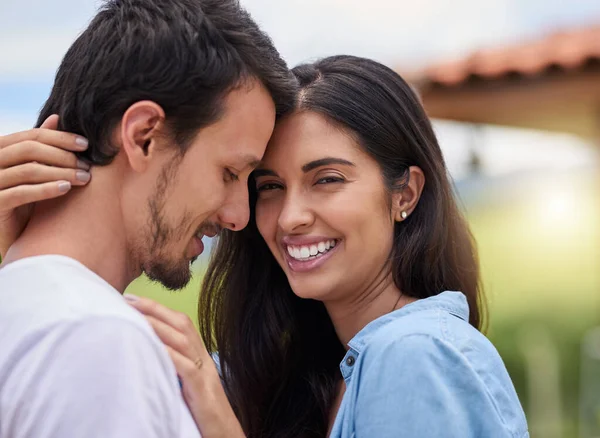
[(196, 194)]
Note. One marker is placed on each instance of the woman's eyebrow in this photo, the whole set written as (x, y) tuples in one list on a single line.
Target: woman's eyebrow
[(325, 162), (264, 172)]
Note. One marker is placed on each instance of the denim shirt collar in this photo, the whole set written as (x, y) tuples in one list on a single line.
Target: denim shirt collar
[(454, 303)]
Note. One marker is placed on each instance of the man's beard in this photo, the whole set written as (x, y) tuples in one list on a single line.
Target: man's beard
[(170, 270), (172, 273)]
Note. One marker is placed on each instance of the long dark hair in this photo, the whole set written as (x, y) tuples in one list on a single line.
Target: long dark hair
[(279, 353)]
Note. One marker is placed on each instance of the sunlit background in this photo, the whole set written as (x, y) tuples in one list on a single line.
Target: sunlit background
[(514, 87)]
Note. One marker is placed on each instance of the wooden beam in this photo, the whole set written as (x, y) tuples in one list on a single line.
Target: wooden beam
[(566, 102)]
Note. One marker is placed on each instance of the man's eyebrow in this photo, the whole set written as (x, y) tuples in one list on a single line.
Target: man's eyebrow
[(254, 164), (250, 161), (325, 162)]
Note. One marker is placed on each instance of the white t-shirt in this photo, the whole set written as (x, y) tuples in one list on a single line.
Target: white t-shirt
[(77, 361)]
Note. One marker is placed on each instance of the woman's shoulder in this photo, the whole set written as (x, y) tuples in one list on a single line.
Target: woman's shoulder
[(441, 351), (442, 319), (435, 332)]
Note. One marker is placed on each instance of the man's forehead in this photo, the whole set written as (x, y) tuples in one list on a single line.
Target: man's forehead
[(248, 160)]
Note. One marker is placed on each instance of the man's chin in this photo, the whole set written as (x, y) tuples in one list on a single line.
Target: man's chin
[(171, 278)]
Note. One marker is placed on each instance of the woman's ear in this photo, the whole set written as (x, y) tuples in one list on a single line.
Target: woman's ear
[(405, 200)]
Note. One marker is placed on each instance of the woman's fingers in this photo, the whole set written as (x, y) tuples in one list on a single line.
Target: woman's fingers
[(40, 164), (176, 340), (175, 329), (30, 151), (51, 122), (190, 371), (205, 397), (26, 194), (202, 388), (59, 139), (148, 307), (36, 173), (28, 175)]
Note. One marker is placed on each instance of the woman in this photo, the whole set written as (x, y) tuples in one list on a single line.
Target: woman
[(333, 312)]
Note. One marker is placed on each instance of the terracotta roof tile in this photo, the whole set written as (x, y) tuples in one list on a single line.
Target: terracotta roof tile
[(565, 50)]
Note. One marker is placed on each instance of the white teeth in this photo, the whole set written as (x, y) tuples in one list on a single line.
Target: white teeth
[(310, 251)]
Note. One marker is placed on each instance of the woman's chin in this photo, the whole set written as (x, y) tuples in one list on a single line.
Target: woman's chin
[(310, 290)]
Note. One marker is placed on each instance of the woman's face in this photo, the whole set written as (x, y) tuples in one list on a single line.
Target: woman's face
[(323, 209)]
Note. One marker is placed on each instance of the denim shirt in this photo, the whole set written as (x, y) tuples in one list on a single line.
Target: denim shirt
[(423, 372)]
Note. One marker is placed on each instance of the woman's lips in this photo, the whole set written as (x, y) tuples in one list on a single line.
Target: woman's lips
[(312, 262)]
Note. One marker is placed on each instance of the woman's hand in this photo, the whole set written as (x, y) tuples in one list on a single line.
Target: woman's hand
[(36, 165), (202, 388)]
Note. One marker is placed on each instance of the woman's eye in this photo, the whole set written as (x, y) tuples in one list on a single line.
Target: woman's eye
[(268, 186), (330, 179)]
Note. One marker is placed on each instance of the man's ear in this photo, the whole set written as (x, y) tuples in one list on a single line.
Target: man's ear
[(141, 129), (405, 200)]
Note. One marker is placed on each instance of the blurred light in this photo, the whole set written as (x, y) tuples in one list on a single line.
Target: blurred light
[(557, 210), (559, 207)]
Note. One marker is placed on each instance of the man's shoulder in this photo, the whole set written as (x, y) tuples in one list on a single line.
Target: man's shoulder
[(59, 304), (97, 363), (48, 290), (95, 339)]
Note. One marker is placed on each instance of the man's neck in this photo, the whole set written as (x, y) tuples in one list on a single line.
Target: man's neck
[(85, 225)]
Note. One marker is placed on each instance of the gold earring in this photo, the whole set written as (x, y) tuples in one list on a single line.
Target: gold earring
[(404, 215)]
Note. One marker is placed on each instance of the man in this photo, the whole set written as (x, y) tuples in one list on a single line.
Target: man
[(178, 99)]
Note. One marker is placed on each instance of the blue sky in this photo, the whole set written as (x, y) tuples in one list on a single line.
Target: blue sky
[(34, 34)]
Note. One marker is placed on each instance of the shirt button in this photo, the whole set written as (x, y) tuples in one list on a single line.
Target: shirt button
[(350, 361)]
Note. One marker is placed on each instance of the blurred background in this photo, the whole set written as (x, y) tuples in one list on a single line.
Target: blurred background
[(514, 90)]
